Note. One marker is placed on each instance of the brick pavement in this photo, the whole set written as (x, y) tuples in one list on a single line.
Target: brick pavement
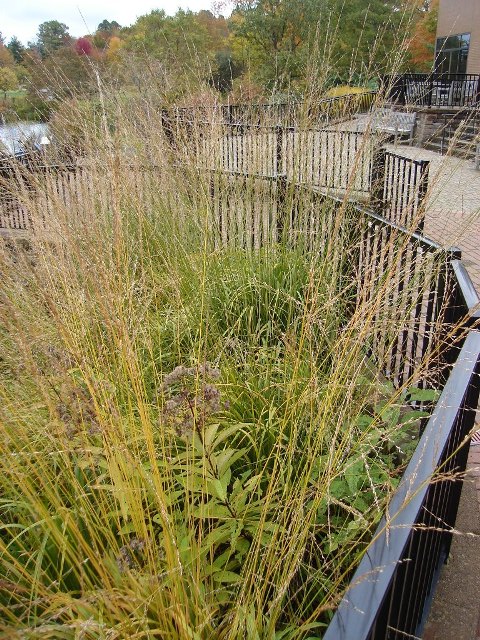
[(453, 204)]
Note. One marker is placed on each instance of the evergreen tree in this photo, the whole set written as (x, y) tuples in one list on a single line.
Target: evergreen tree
[(17, 49), (51, 36)]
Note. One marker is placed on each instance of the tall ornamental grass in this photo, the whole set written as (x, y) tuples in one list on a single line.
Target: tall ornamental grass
[(196, 442)]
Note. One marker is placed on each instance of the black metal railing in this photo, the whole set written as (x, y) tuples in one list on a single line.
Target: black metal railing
[(338, 162), (29, 193), (286, 114), (434, 90), (332, 160), (399, 188), (456, 136), (335, 160), (394, 581)]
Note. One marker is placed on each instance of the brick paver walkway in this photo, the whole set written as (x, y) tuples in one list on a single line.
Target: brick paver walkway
[(453, 205)]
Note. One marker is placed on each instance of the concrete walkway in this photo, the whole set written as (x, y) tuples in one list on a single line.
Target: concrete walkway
[(456, 607)]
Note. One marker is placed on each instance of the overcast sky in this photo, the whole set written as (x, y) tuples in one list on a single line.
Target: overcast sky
[(21, 17)]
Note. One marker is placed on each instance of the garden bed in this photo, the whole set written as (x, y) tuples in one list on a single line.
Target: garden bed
[(206, 447), (224, 382)]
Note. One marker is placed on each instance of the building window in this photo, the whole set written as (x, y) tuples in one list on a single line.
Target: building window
[(451, 54)]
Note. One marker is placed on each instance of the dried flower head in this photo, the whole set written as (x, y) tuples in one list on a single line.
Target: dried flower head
[(131, 555), (192, 397)]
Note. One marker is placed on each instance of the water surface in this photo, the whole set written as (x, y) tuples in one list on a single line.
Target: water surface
[(12, 136)]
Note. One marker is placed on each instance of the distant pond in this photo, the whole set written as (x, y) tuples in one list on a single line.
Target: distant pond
[(13, 135)]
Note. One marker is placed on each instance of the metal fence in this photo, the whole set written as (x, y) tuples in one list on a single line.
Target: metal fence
[(36, 198), (426, 286), (390, 590), (338, 162), (457, 136), (293, 113), (434, 90), (399, 188), (28, 192), (332, 160)]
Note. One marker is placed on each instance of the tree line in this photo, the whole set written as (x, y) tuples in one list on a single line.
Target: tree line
[(264, 47)]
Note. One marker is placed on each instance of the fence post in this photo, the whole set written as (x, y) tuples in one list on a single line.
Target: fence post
[(403, 90), (377, 182), (422, 193), (281, 205), (167, 127), (278, 150), (476, 93)]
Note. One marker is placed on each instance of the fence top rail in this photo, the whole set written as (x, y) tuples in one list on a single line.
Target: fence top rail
[(273, 105), (373, 576), (423, 241), (467, 288), (434, 75), (241, 126), (290, 128), (303, 102), (248, 176), (423, 163)]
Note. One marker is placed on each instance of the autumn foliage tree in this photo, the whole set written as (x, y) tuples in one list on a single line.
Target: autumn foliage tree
[(84, 46), (265, 47), (421, 46)]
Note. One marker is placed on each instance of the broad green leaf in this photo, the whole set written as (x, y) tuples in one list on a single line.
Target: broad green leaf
[(225, 479), (239, 499), (227, 458), (218, 536), (226, 576), (339, 489), (209, 435), (241, 545), (413, 416), (363, 421), (226, 432), (197, 444), (414, 394), (212, 510), (360, 504), (218, 489), (354, 475)]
